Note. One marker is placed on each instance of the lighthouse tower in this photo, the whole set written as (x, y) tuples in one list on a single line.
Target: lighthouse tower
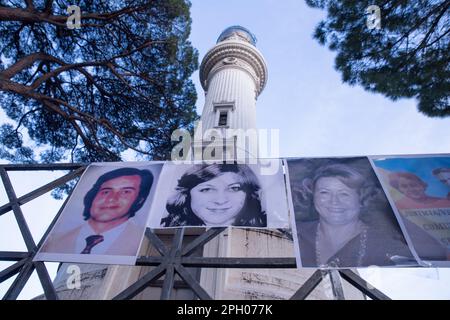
[(233, 74)]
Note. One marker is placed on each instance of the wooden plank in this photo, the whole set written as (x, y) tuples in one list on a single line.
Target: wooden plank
[(42, 190), (156, 242), (26, 234), (177, 243), (175, 251), (46, 282), (12, 255), (19, 283), (336, 284), (201, 240), (141, 284), (150, 261), (264, 263), (43, 166), (192, 283), (362, 285), (167, 287), (12, 270), (308, 286)]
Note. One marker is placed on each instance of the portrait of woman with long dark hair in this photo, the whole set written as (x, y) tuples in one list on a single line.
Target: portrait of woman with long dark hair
[(216, 195)]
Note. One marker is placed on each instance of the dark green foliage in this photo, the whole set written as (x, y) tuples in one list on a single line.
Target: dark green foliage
[(121, 81), (408, 57)]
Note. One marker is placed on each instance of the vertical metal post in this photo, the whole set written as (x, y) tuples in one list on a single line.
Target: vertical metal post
[(175, 252), (46, 282), (12, 270), (20, 282), (26, 234), (308, 286), (336, 285), (362, 285)]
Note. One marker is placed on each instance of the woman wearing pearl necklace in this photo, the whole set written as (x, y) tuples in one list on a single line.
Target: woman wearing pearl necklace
[(341, 198)]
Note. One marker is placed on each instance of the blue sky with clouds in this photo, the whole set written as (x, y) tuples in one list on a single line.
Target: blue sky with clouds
[(304, 98)]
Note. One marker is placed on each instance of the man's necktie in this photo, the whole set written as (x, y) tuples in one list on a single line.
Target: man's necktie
[(92, 241)]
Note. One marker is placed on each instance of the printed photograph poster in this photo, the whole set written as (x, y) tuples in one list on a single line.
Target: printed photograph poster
[(105, 218), (221, 195), (342, 218), (419, 189)]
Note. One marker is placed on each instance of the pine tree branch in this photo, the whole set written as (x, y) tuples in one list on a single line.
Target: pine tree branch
[(423, 43), (30, 15), (48, 6), (65, 67), (19, 123), (27, 61), (88, 119), (30, 5)]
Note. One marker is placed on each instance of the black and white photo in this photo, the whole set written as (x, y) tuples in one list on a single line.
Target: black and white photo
[(342, 217), (218, 195)]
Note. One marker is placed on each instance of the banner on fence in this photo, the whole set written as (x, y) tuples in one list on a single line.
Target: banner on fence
[(106, 216), (343, 212)]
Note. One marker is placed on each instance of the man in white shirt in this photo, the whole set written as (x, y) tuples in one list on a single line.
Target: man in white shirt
[(108, 210)]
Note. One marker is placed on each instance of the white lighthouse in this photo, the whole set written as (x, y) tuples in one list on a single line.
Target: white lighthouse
[(233, 74)]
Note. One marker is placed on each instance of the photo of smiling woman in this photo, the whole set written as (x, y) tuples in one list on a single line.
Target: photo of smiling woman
[(342, 217), (419, 188), (216, 195)]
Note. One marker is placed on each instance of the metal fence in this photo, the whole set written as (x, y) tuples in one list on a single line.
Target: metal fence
[(173, 260)]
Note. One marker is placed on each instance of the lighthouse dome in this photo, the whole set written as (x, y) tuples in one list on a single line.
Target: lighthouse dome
[(237, 32)]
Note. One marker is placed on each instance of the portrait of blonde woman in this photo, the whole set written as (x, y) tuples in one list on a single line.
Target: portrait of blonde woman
[(414, 197), (413, 190), (344, 218), (419, 188)]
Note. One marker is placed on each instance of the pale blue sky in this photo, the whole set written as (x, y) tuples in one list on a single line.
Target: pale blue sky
[(317, 116)]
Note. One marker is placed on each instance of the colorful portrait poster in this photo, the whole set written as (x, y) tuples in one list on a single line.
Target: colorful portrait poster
[(105, 218), (419, 188), (221, 195), (342, 218)]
